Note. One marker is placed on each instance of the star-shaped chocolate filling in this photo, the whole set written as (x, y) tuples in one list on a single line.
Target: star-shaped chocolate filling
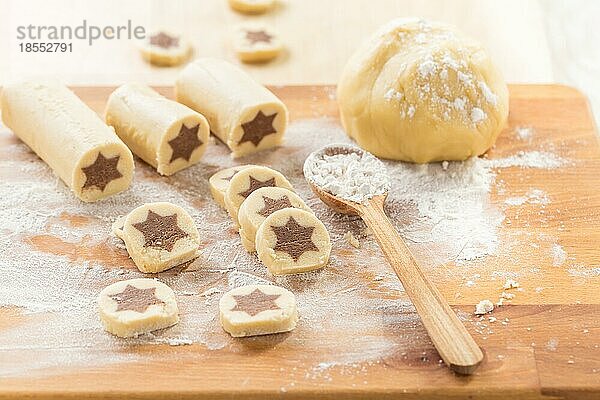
[(294, 239), (272, 205), (135, 299), (160, 231), (101, 172), (256, 184), (256, 302), (185, 143), (258, 128), (163, 40), (258, 36)]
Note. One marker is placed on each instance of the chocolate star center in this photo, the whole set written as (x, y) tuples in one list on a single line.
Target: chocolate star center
[(256, 302), (185, 143), (159, 231), (294, 239), (101, 172), (163, 40), (258, 128), (258, 36), (135, 299), (256, 184), (272, 205)]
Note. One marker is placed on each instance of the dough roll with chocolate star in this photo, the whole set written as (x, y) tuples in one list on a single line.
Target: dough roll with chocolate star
[(166, 134), (245, 115), (71, 138)]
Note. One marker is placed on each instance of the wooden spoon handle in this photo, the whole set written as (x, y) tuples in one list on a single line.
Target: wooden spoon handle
[(455, 345)]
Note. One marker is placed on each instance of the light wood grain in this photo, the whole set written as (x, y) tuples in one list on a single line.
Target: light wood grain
[(450, 338), (519, 362)]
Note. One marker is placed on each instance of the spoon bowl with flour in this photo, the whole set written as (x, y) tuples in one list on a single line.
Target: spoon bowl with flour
[(353, 181)]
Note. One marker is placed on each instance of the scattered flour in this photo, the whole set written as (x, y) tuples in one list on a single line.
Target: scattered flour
[(559, 255), (444, 212), (524, 133)]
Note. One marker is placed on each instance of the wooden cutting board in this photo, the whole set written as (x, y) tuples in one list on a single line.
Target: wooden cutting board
[(544, 343)]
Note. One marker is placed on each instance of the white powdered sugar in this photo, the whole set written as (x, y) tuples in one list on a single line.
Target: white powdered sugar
[(350, 174)]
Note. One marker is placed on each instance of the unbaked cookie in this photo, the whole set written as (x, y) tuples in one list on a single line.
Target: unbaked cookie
[(159, 236), (256, 43), (258, 310), (247, 181), (164, 133), (259, 205), (291, 240), (251, 6), (165, 49), (219, 182), (130, 308)]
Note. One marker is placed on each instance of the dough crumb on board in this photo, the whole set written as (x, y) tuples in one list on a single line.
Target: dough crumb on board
[(350, 238), (511, 284), (484, 307)]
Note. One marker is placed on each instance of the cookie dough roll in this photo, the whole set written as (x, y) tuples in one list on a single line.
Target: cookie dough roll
[(167, 135), (71, 138), (242, 113)]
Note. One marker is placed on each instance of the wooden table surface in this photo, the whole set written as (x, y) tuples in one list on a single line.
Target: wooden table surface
[(544, 343)]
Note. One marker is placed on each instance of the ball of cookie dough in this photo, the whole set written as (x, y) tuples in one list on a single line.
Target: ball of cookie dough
[(165, 49), (259, 205), (256, 43), (159, 236), (247, 181), (130, 308), (219, 182), (258, 310), (251, 6), (291, 241), (421, 91)]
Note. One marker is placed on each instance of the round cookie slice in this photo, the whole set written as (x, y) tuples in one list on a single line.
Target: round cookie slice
[(256, 43), (258, 310), (259, 205), (247, 181), (159, 236), (165, 49), (135, 306), (219, 182), (291, 241), (251, 6)]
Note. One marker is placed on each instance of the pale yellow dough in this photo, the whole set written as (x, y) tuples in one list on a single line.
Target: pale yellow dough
[(251, 6), (245, 115), (256, 43), (69, 137), (422, 91), (157, 129), (246, 181), (258, 310), (132, 307), (291, 241), (259, 205), (174, 54), (219, 182), (159, 236)]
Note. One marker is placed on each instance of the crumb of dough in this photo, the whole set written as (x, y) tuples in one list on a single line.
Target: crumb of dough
[(511, 284), (484, 307), (507, 296), (492, 319), (350, 238)]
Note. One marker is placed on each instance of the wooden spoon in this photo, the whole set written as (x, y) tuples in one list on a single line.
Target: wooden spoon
[(451, 339)]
